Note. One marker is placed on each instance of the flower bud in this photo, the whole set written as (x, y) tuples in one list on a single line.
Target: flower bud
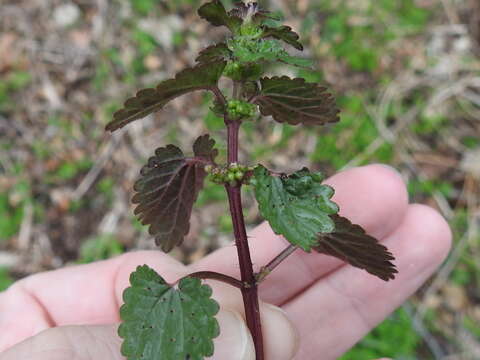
[(231, 176)]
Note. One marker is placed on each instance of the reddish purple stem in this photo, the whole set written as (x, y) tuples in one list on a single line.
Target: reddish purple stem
[(249, 293), (205, 275)]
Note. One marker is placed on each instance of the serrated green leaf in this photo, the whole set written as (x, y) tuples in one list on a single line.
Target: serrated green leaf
[(295, 101), (214, 12), (244, 71), (306, 184), (215, 52), (168, 187), (246, 49), (284, 33), (160, 322), (353, 245), (201, 77), (296, 206)]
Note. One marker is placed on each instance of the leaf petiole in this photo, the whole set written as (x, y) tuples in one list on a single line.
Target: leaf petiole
[(219, 95), (212, 275), (277, 260)]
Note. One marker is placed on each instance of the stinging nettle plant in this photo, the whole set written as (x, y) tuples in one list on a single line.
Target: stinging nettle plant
[(177, 321)]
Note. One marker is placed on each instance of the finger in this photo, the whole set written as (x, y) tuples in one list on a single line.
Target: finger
[(373, 196), (351, 303), (69, 342), (85, 294)]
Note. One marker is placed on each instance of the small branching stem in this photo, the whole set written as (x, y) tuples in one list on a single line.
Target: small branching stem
[(249, 293), (267, 269), (219, 95), (235, 91), (211, 275)]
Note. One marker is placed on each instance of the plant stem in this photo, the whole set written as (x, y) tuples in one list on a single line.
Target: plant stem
[(235, 90), (216, 276), (232, 147), (249, 294), (267, 269)]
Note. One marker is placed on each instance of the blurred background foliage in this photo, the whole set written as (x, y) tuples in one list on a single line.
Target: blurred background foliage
[(407, 78)]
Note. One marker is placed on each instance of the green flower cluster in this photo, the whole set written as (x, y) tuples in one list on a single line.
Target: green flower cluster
[(246, 49), (251, 30), (238, 109), (243, 71), (232, 174), (233, 70)]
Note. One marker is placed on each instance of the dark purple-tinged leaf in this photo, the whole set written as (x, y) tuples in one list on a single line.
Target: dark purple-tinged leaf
[(240, 10), (163, 322), (250, 89), (214, 12), (216, 52), (203, 148), (147, 101), (353, 245), (284, 33), (167, 188), (294, 101)]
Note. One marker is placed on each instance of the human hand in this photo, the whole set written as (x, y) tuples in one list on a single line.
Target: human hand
[(327, 305)]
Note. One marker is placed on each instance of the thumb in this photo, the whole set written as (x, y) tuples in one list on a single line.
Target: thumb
[(69, 342), (103, 342)]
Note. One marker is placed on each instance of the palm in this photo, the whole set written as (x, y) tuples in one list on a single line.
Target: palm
[(331, 305)]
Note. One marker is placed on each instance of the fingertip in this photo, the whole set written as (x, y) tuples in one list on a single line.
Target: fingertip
[(281, 339), (371, 193), (431, 226)]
